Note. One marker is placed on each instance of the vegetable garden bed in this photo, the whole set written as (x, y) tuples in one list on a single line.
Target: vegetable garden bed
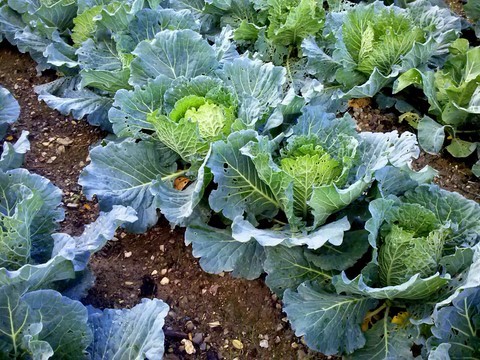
[(280, 153)]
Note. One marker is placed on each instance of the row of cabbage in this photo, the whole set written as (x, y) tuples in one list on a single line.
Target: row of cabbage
[(43, 274), (251, 157), (350, 51)]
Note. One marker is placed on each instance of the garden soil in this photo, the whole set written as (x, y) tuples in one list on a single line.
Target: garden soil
[(223, 317)]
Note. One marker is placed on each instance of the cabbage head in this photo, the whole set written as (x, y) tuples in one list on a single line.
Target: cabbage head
[(202, 111)]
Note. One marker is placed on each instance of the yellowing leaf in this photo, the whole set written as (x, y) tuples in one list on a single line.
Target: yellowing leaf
[(401, 319)]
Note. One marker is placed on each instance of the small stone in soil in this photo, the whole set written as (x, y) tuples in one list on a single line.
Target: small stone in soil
[(164, 281), (237, 344), (264, 344), (197, 338), (189, 348), (189, 325), (214, 324), (127, 254)]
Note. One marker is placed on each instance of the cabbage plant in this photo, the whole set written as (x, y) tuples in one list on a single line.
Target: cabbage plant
[(287, 191), (424, 254), (104, 38), (365, 47), (453, 93), (177, 109)]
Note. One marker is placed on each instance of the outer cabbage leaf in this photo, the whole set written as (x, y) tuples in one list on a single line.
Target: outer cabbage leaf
[(415, 288), (32, 203), (172, 54), (65, 96), (69, 254), (123, 173), (178, 206), (128, 333), (243, 230), (287, 268), (219, 251), (13, 155), (451, 207), (329, 322), (130, 109), (458, 325), (256, 86), (9, 110), (387, 340), (292, 21), (239, 187), (79, 248), (42, 323)]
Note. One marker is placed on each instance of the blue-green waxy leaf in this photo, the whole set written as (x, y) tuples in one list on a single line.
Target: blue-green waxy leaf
[(458, 326), (40, 201), (239, 187), (65, 95), (396, 181), (123, 173), (330, 323), (70, 254), (148, 23), (135, 333), (79, 248), (415, 288), (9, 110), (287, 268), (243, 230), (41, 323), (330, 257), (219, 251), (431, 135), (16, 242), (13, 155), (128, 114), (450, 207), (387, 341), (172, 54), (179, 206), (254, 82)]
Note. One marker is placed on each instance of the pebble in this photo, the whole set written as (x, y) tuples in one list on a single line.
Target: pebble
[(203, 346), (172, 314), (65, 141), (128, 283), (197, 338), (51, 160), (154, 272), (189, 325), (264, 344), (189, 348), (237, 344), (214, 324), (127, 254), (163, 271), (72, 206), (164, 281)]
